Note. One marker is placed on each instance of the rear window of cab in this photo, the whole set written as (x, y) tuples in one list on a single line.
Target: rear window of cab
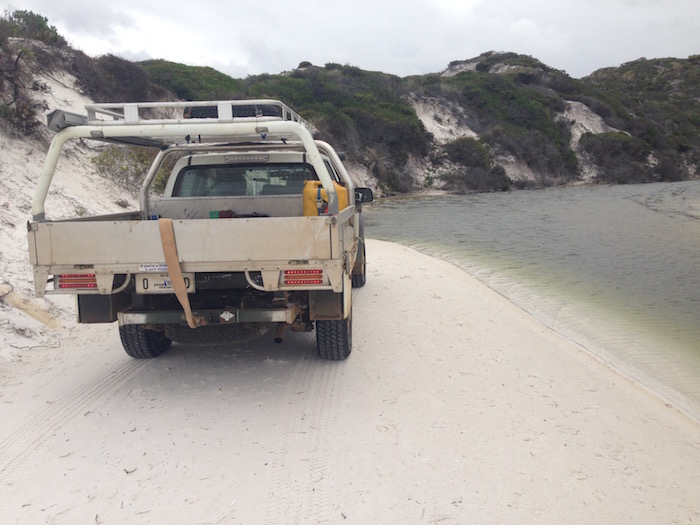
[(239, 180)]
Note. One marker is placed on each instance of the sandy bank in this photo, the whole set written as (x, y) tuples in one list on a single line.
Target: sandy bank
[(454, 407)]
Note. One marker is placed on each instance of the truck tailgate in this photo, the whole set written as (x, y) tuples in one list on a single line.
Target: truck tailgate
[(123, 245)]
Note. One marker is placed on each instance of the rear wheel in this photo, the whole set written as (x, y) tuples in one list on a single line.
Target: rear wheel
[(334, 338), (141, 343)]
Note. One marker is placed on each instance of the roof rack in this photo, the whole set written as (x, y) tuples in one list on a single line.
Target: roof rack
[(212, 111)]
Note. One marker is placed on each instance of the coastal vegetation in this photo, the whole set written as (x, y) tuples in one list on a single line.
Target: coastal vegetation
[(514, 104)]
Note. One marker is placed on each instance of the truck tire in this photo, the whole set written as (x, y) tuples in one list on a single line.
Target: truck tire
[(140, 343), (334, 339), (359, 279)]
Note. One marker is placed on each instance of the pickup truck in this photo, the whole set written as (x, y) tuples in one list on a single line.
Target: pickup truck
[(259, 226)]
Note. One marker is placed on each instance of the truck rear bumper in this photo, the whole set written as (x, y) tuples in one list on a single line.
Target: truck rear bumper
[(216, 316)]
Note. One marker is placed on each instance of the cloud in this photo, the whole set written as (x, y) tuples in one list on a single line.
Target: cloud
[(400, 37), (83, 17)]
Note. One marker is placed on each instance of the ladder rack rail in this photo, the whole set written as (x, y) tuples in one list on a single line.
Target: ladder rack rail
[(121, 113)]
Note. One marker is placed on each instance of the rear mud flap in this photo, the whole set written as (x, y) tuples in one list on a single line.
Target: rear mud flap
[(325, 305)]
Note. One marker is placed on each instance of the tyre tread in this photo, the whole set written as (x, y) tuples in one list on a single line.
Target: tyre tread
[(141, 343), (333, 339)]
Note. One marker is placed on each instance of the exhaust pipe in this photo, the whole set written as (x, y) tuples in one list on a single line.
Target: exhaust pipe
[(279, 333)]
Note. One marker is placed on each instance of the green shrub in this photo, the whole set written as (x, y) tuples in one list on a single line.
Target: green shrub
[(669, 168), (124, 165), (22, 114), (27, 24), (383, 169), (479, 179), (622, 158), (191, 82), (128, 81), (545, 156), (469, 152), (19, 105), (476, 171), (111, 79), (127, 166)]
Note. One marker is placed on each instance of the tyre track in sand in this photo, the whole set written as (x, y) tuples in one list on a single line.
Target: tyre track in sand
[(20, 444), (301, 459)]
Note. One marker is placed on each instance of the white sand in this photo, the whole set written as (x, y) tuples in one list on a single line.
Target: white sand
[(454, 407)]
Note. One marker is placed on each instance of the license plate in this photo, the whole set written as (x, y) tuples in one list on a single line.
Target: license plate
[(161, 283)]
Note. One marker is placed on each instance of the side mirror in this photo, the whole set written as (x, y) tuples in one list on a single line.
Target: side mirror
[(363, 195)]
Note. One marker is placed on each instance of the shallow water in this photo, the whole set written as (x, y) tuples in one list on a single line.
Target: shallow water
[(613, 268)]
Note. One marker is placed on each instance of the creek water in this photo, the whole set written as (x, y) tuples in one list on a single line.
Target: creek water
[(615, 269)]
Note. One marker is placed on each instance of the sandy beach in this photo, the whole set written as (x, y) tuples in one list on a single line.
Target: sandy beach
[(455, 407)]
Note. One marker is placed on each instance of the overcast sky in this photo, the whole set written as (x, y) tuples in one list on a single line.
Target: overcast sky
[(403, 37)]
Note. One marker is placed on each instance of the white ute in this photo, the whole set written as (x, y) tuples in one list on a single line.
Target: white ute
[(259, 225)]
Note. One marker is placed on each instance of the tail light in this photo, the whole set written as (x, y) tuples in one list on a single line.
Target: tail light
[(73, 281), (303, 277)]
